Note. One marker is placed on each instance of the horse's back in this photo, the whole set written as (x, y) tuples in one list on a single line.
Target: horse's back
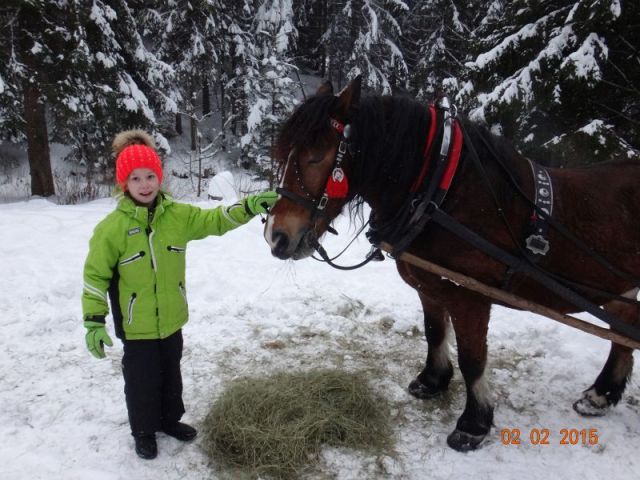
[(599, 197), (600, 205)]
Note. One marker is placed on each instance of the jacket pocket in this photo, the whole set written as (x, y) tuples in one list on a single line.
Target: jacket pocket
[(132, 258), (132, 302)]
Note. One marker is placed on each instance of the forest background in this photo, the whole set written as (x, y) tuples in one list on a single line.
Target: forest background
[(559, 78)]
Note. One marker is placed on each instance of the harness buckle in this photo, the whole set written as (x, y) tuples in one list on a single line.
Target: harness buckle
[(342, 148), (323, 202)]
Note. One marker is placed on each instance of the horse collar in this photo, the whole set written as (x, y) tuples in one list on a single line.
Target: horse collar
[(433, 181), (432, 184), (444, 167)]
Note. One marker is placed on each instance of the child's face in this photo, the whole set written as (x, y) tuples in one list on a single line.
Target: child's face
[(143, 185)]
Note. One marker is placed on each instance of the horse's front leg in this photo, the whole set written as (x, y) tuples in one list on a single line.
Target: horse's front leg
[(436, 375), (470, 319)]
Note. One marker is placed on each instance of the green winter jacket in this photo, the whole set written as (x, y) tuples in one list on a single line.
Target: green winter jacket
[(141, 265)]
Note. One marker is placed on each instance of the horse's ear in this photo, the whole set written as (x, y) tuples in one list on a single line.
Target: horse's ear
[(326, 88), (349, 97)]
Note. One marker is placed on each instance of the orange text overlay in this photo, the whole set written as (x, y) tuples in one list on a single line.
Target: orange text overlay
[(544, 436)]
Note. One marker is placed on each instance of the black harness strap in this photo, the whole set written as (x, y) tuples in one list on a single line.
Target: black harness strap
[(560, 228), (308, 203), (450, 224)]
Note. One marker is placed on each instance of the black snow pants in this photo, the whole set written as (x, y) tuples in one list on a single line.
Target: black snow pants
[(153, 383)]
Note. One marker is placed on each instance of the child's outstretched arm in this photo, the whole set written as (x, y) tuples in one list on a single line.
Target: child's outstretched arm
[(220, 220)]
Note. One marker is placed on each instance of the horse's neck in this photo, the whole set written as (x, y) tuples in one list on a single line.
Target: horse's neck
[(392, 150), (387, 184)]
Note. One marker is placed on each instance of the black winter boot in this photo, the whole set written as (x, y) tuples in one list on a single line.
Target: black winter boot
[(180, 431), (146, 446)]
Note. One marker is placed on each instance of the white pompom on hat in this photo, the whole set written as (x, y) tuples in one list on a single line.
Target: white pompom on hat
[(135, 149)]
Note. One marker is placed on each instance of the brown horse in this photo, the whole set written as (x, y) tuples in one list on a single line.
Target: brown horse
[(377, 160)]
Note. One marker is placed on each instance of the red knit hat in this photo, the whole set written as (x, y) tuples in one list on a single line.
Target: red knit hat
[(135, 149)]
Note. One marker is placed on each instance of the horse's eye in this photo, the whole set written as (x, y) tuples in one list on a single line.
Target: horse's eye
[(313, 159)]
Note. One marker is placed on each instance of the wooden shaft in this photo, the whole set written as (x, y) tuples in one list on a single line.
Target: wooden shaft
[(513, 300)]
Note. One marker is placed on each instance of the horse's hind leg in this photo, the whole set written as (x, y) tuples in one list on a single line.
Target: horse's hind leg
[(437, 373), (470, 318), (612, 380)]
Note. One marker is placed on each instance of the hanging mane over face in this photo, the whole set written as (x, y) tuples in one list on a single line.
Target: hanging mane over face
[(308, 125), (312, 146)]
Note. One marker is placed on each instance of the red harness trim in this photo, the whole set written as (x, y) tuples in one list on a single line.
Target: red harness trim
[(337, 184), (455, 151)]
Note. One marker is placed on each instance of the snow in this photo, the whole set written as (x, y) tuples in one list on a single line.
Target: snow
[(585, 58), (63, 415), (222, 186)]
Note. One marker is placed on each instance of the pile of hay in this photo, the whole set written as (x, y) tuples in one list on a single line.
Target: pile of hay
[(276, 425)]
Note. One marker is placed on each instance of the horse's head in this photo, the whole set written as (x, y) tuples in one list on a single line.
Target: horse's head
[(314, 147)]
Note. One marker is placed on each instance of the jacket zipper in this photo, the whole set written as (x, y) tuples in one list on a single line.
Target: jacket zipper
[(133, 258), (171, 248), (154, 264), (132, 302)]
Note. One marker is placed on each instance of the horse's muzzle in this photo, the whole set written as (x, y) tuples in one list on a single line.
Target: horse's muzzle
[(285, 247)]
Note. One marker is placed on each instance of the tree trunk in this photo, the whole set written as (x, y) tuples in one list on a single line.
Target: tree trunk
[(194, 133), (223, 117), (37, 142), (206, 99), (179, 123)]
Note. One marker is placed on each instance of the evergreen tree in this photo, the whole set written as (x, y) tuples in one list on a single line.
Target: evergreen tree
[(311, 18), (360, 37), (437, 40), (112, 80), (28, 46), (80, 72), (562, 79), (268, 84)]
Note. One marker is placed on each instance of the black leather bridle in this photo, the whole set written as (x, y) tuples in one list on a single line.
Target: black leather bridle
[(317, 205)]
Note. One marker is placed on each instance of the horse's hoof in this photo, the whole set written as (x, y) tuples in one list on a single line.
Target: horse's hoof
[(420, 390), (591, 404), (464, 442)]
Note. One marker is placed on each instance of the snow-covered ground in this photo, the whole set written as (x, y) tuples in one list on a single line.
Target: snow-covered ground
[(63, 416)]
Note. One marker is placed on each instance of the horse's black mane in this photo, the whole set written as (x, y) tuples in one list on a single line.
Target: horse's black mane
[(308, 125), (389, 132)]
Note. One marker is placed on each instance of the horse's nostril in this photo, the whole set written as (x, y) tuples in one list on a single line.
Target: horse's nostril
[(280, 245)]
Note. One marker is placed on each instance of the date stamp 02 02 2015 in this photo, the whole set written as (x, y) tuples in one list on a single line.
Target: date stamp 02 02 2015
[(544, 436)]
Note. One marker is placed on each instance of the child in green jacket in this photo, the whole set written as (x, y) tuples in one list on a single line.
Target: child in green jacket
[(137, 258)]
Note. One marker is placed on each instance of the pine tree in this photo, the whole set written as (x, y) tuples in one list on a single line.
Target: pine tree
[(436, 44), (80, 72), (28, 45), (311, 18), (359, 37), (268, 84), (562, 79)]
